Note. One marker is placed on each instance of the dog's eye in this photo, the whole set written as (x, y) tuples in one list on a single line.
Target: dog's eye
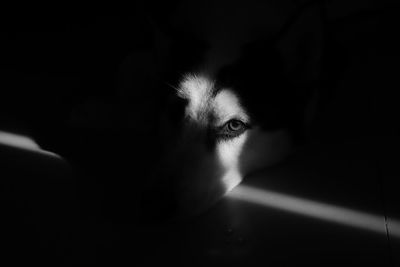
[(234, 125), (232, 128)]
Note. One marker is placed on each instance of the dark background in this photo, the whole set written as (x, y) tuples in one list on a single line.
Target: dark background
[(55, 61)]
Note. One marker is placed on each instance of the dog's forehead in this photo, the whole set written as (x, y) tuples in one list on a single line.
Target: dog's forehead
[(226, 105), (206, 99), (196, 88)]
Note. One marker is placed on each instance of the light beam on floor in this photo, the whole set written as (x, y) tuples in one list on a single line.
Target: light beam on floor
[(23, 142), (318, 210)]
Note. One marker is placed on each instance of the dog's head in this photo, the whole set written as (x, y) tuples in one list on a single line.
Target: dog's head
[(223, 123), (212, 143)]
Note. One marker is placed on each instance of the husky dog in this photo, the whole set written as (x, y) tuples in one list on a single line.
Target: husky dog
[(195, 128), (225, 119)]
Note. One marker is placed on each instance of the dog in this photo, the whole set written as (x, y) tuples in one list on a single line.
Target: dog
[(198, 118), (231, 114)]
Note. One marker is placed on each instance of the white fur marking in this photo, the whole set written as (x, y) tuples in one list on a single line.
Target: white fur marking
[(226, 106), (229, 152), (197, 89), (231, 179)]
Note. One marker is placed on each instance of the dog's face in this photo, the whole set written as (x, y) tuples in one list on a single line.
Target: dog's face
[(225, 121), (212, 142)]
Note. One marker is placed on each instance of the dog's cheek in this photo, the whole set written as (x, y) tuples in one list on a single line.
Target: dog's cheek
[(199, 185), (264, 149), (229, 154), (211, 175)]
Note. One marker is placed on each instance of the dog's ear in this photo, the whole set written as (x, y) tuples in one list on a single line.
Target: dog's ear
[(300, 45)]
